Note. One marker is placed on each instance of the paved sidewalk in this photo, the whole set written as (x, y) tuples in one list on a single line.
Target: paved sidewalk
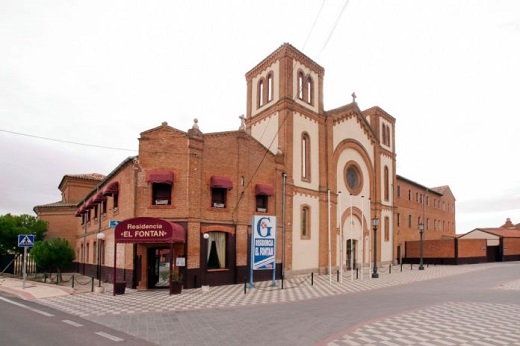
[(296, 289), (33, 290)]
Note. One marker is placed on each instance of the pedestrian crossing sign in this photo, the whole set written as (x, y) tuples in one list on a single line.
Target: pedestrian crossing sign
[(25, 240)]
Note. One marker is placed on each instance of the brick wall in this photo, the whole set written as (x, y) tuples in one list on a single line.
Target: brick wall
[(472, 248), (511, 246)]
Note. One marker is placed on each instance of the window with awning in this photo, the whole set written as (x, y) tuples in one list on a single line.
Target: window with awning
[(162, 181), (262, 192)]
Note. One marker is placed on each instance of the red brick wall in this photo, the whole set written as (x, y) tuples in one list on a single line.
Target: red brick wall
[(511, 246), (441, 248), (472, 248)]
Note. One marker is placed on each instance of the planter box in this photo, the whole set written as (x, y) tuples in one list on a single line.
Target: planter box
[(176, 288)]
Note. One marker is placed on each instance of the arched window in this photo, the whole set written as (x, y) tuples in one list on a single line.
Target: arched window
[(388, 135), (383, 127), (261, 93), (300, 85), (269, 87), (306, 156), (387, 184), (310, 90), (305, 222)]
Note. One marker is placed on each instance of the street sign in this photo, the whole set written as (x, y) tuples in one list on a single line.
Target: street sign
[(25, 240), (112, 223)]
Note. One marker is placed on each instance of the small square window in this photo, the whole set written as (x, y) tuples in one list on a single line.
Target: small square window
[(161, 194), (261, 203), (218, 197)]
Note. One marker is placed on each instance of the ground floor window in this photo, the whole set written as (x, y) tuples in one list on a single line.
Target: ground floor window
[(216, 250)]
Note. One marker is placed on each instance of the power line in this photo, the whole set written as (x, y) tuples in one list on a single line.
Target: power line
[(335, 24), (64, 141)]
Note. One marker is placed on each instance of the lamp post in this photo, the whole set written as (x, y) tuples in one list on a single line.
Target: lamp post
[(100, 236), (375, 222), (421, 232)]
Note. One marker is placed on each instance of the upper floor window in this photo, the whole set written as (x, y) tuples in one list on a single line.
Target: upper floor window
[(269, 87), (218, 197), (300, 85), (385, 129), (161, 182), (306, 157), (310, 90), (219, 189), (115, 201), (261, 93), (262, 193), (387, 184), (161, 194)]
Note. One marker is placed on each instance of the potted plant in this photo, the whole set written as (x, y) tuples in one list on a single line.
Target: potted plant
[(176, 283)]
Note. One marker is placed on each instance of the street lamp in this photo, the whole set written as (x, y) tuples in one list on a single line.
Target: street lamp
[(375, 222), (421, 232), (100, 236)]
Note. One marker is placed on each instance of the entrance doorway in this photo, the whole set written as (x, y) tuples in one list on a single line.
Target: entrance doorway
[(351, 254), (158, 267)]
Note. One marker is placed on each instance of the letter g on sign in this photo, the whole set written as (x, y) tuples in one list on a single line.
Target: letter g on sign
[(263, 227)]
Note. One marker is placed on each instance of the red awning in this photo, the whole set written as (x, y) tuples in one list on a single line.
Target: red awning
[(164, 177), (90, 204), (98, 198), (81, 210), (110, 189), (221, 182), (264, 189)]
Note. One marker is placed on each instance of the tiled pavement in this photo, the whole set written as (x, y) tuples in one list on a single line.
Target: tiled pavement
[(448, 324), (300, 288)]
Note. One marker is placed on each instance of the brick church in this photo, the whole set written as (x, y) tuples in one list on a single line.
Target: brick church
[(329, 178)]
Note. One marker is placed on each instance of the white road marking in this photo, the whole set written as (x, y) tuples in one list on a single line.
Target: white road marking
[(72, 323), (109, 336), (27, 307)]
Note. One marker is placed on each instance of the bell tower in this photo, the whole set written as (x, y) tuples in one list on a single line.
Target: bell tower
[(283, 83)]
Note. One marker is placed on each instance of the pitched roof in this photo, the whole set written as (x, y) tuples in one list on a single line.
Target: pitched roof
[(88, 176), (500, 232)]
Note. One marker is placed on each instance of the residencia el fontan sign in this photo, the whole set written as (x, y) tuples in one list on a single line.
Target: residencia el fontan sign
[(148, 230)]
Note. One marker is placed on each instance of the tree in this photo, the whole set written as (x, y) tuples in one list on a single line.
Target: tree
[(53, 254), (13, 225)]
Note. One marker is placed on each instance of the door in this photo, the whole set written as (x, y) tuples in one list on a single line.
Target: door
[(158, 267), (351, 253)]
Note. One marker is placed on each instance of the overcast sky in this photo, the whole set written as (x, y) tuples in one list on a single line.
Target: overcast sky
[(101, 72)]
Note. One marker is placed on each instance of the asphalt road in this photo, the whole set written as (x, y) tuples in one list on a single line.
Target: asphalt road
[(27, 323), (324, 320)]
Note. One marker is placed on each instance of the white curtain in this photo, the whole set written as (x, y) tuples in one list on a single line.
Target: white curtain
[(220, 244)]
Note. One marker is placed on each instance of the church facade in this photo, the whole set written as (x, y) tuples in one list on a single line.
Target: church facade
[(328, 176)]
